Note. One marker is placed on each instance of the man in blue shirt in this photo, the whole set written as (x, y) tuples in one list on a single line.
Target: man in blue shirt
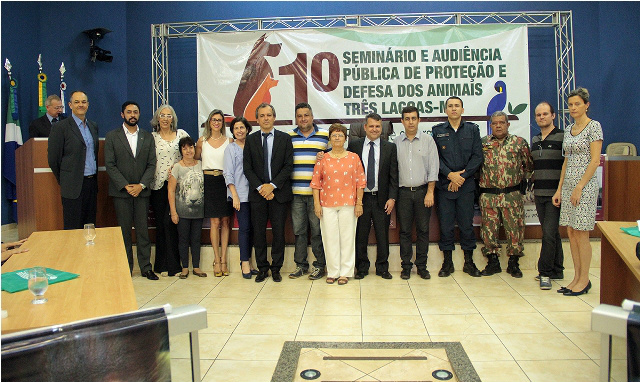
[(72, 155), (460, 151)]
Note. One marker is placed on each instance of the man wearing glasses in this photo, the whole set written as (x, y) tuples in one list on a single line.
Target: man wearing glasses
[(41, 127)]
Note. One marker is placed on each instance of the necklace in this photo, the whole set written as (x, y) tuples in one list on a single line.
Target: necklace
[(217, 139)]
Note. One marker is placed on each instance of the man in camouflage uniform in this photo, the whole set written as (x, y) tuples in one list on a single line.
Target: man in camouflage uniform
[(507, 163)]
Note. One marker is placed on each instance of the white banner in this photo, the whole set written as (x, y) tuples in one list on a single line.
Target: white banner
[(347, 73)]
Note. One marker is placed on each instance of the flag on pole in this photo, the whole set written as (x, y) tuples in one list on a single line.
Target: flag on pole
[(12, 140)]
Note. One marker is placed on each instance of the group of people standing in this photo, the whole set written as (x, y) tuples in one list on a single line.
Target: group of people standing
[(336, 193)]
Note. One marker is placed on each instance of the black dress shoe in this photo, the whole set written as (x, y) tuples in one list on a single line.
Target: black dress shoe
[(360, 275), (385, 275), (563, 289), (275, 275), (423, 273), (405, 274), (150, 275), (569, 292), (261, 276)]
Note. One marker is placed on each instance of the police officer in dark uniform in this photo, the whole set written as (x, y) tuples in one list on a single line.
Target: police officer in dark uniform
[(460, 151)]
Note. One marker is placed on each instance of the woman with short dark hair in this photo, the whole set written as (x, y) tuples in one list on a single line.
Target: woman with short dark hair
[(186, 200)]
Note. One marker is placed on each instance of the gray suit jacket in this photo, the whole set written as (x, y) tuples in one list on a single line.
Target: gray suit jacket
[(123, 168), (67, 154)]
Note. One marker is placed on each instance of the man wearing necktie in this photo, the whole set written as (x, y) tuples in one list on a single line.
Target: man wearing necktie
[(72, 154), (268, 163), (130, 159), (380, 161), (41, 127)]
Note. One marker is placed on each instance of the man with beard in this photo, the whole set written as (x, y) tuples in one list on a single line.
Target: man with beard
[(130, 159)]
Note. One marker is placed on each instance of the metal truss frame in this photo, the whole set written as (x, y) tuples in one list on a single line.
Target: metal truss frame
[(561, 21)]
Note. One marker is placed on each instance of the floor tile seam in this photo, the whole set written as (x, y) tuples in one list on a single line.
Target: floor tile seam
[(576, 345), (306, 302), (480, 313), (242, 318)]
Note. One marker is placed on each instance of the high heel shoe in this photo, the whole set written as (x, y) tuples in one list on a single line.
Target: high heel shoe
[(225, 269), (217, 272), (246, 275), (562, 289), (569, 292)]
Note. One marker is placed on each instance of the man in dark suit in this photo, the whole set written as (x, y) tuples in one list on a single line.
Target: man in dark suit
[(380, 160), (41, 127), (130, 158), (268, 163), (72, 155)]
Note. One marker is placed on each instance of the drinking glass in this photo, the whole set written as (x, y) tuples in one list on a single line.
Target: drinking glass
[(38, 284), (90, 233)]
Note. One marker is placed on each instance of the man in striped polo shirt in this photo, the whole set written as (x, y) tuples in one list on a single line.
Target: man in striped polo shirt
[(546, 149), (307, 141)]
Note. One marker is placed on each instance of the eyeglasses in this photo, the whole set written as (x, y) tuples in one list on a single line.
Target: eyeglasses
[(168, 116), (337, 136), (216, 120), (58, 107)]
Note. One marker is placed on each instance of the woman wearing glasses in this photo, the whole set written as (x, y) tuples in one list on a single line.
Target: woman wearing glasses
[(166, 136), (338, 184), (577, 194), (210, 149)]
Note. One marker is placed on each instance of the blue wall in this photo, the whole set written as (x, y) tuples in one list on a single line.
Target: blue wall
[(607, 53)]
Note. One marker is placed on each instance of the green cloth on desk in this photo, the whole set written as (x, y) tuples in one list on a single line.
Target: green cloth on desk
[(633, 231), (17, 281)]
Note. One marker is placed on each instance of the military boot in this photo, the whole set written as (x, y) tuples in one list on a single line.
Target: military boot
[(469, 266), (493, 266), (513, 268), (447, 265)]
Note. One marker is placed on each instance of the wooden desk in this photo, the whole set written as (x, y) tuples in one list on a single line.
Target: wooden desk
[(104, 286), (620, 268)]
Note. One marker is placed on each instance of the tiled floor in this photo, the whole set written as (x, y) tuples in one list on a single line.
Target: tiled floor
[(511, 330)]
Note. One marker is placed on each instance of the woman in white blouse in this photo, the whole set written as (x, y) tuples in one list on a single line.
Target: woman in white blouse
[(166, 136), (210, 150)]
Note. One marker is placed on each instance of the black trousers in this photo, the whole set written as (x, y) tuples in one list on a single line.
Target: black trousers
[(551, 258), (409, 209), (82, 210), (189, 233), (167, 256), (458, 210), (133, 212), (371, 211), (261, 212)]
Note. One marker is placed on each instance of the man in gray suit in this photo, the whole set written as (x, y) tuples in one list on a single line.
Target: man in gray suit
[(130, 158), (72, 155)]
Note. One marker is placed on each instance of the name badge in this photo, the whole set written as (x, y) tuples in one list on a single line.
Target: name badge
[(442, 135)]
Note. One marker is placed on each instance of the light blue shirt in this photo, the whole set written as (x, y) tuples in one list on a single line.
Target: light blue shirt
[(376, 155), (233, 172), (90, 165)]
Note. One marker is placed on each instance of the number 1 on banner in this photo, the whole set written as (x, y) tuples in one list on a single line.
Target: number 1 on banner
[(298, 68)]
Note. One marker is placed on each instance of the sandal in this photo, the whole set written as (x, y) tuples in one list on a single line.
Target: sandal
[(330, 280), (343, 280), (184, 275), (199, 274), (216, 271), (225, 269)]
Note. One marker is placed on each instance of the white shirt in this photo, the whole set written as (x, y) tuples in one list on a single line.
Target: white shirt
[(132, 138), (376, 155)]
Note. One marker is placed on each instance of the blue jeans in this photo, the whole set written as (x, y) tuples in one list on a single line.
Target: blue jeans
[(551, 259), (245, 234), (305, 219)]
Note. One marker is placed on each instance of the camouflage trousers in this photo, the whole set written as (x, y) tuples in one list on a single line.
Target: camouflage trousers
[(510, 215)]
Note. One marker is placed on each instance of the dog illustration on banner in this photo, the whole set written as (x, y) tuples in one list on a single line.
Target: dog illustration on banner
[(257, 79)]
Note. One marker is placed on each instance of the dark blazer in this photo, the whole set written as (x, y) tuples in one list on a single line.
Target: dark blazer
[(41, 127), (67, 153), (356, 130), (123, 168), (281, 165), (388, 170)]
